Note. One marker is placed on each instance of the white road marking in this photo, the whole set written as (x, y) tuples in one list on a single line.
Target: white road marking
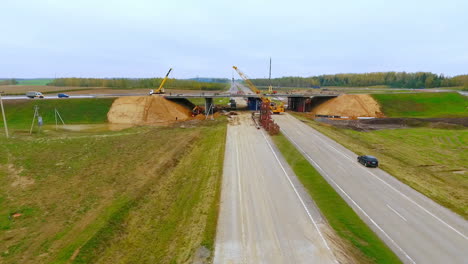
[(396, 212), (297, 194), (362, 210), (240, 202), (393, 188)]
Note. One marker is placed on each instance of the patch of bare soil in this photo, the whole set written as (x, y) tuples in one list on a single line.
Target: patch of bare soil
[(14, 173), (147, 110), (349, 105)]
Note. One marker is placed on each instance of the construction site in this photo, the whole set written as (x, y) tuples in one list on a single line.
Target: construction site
[(236, 176)]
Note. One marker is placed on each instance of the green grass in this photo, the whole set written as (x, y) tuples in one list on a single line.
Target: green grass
[(424, 158), (423, 105), (217, 101), (19, 113), (145, 191), (339, 215), (34, 81)]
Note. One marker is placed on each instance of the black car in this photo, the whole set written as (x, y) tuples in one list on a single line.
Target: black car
[(368, 161)]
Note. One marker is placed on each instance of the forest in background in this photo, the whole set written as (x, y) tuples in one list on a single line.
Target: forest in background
[(390, 79)]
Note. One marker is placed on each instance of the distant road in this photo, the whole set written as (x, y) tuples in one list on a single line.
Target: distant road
[(265, 216), (415, 227), (46, 97), (236, 86)]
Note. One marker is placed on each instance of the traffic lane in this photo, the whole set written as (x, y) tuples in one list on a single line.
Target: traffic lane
[(410, 230), (423, 216), (420, 200), (264, 208)]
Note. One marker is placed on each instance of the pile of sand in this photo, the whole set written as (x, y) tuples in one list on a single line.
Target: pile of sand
[(146, 110), (350, 105)]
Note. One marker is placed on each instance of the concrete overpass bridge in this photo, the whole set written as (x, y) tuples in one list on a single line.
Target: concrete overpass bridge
[(295, 102)]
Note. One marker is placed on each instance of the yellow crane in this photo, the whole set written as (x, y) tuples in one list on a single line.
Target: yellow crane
[(160, 90), (274, 107)]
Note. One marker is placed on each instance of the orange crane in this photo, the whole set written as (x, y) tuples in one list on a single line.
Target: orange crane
[(160, 90), (275, 108)]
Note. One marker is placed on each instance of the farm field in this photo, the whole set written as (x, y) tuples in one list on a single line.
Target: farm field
[(34, 81), (431, 161), (144, 190)]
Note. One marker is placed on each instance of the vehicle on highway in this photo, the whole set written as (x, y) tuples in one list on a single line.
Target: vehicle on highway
[(34, 94), (62, 95), (368, 161)]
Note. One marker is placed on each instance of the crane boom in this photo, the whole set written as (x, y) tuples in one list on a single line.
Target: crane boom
[(276, 109), (246, 79), (160, 90)]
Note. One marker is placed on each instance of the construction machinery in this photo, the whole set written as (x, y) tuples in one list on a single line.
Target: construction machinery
[(160, 90), (274, 107)]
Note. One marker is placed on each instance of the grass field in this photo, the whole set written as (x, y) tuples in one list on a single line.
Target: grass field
[(423, 105), (34, 81), (217, 101), (362, 243), (431, 161), (142, 195), (19, 113)]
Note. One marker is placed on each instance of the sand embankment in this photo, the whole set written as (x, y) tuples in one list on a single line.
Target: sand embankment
[(146, 110), (350, 105)]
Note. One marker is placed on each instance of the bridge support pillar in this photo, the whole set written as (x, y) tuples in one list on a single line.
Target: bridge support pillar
[(254, 103), (299, 104), (209, 105)]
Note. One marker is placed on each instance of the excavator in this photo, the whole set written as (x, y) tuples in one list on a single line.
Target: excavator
[(160, 90), (274, 107)]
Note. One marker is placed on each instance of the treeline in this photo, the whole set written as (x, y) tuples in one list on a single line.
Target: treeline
[(124, 83), (8, 82), (391, 79)]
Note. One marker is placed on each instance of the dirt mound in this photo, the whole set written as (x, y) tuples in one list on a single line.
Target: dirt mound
[(146, 110), (350, 105)]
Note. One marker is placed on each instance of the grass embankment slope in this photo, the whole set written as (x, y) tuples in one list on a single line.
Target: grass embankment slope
[(430, 160), (143, 195), (360, 241), (19, 113), (423, 105)]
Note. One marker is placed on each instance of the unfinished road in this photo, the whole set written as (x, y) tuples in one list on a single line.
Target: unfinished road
[(416, 228), (265, 216)]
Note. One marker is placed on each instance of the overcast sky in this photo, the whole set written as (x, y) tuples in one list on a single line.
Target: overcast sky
[(143, 38)]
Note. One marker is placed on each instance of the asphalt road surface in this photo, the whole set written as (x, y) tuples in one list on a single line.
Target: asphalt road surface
[(265, 216), (415, 227), (236, 86)]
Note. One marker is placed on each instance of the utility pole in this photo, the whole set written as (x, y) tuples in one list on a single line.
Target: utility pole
[(3, 114), (270, 88)]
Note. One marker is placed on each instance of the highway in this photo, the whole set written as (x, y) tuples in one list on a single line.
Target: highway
[(237, 86), (417, 229), (46, 97), (265, 215)]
